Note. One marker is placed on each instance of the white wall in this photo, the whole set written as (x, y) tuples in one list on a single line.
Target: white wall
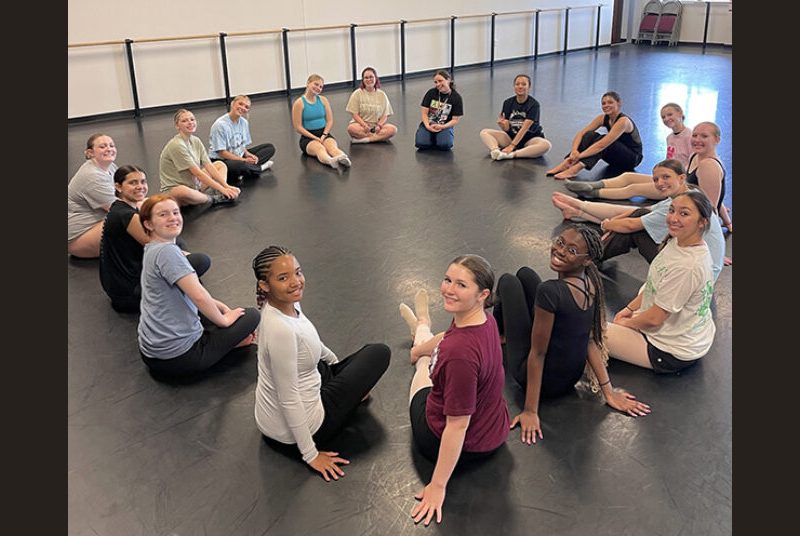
[(175, 72), (720, 21)]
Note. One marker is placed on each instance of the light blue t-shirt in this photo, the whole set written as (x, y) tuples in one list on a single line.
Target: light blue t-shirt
[(169, 323), (229, 136), (655, 223)]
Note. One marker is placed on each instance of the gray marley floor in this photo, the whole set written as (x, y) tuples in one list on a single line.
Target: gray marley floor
[(147, 457)]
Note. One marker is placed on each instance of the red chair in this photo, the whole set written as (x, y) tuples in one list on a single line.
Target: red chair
[(669, 24), (649, 23)]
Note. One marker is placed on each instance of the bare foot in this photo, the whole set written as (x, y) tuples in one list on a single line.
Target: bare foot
[(567, 211), (250, 339), (559, 168), (569, 173), (727, 261)]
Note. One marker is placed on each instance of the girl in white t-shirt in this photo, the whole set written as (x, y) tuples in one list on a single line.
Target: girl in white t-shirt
[(305, 393), (669, 326)]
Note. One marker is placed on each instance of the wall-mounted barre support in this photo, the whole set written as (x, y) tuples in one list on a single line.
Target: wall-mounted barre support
[(137, 111)]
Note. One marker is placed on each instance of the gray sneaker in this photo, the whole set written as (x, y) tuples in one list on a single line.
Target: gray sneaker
[(218, 198)]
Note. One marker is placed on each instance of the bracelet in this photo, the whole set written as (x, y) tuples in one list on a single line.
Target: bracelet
[(513, 144), (629, 309), (604, 383)]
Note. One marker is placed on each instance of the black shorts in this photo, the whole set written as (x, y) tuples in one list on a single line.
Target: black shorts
[(426, 440), (664, 362), (304, 140)]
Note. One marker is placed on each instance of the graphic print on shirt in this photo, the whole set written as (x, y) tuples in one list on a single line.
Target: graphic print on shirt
[(237, 143), (516, 119), (439, 111), (703, 312), (434, 358)]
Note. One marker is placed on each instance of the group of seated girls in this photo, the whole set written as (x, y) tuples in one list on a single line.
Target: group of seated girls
[(555, 331), (621, 147), (441, 109), (189, 172), (611, 136)]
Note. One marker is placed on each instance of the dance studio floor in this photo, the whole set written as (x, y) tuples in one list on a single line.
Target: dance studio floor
[(153, 458)]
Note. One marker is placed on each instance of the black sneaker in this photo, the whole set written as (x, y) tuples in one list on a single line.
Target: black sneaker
[(218, 198)]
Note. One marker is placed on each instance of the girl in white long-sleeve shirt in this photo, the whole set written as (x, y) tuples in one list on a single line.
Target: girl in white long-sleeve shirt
[(305, 393)]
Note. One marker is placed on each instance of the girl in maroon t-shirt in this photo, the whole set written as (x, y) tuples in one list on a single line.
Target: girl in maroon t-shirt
[(456, 399)]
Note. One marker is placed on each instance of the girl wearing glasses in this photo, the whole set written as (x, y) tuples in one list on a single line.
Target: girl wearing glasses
[(370, 109), (668, 326), (554, 329), (626, 228)]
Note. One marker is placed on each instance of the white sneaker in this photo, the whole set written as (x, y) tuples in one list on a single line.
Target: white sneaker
[(494, 152), (266, 165), (504, 156), (344, 160)]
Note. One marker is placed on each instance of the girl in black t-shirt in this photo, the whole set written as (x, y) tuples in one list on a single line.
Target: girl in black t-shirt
[(554, 329), (521, 135), (123, 239), (441, 110)]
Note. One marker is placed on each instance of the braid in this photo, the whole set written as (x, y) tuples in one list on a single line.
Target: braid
[(262, 264), (595, 249)]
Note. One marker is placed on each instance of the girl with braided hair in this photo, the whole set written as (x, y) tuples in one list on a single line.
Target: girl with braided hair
[(555, 329), (305, 393)]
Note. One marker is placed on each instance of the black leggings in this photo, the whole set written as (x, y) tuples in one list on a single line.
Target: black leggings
[(617, 155), (426, 441), (345, 383), (240, 168), (514, 315), (130, 304), (621, 243), (214, 344)]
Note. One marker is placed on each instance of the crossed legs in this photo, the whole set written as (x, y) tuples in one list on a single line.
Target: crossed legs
[(497, 139)]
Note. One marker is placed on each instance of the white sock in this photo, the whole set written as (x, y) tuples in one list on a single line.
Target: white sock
[(266, 165)]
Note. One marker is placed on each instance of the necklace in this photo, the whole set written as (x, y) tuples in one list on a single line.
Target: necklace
[(443, 101)]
